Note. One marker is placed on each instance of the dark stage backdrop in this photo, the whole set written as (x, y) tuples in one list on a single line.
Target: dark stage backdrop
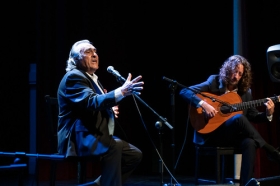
[(183, 41)]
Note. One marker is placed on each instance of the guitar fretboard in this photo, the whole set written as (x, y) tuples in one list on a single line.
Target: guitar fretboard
[(254, 103)]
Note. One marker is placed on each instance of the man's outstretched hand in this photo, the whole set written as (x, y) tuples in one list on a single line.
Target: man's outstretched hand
[(132, 86)]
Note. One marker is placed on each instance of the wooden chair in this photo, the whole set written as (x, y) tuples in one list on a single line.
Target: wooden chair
[(219, 154), (52, 116)]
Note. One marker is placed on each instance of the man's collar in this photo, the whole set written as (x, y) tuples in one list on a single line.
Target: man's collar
[(94, 76)]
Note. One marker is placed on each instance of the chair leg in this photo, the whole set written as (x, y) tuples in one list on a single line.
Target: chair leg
[(20, 178), (223, 169), (53, 173), (81, 172), (196, 166), (218, 168)]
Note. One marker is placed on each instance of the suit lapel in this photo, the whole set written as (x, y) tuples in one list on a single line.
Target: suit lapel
[(97, 90), (95, 87)]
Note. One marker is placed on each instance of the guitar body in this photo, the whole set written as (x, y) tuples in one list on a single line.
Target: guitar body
[(200, 122)]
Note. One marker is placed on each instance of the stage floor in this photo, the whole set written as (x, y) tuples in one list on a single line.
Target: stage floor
[(134, 180)]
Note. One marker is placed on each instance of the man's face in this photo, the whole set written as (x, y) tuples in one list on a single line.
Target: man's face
[(90, 61), (236, 74)]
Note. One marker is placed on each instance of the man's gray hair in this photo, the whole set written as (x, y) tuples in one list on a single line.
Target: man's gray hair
[(75, 55)]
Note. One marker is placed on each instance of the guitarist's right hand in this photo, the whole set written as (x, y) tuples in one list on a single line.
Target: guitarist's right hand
[(209, 110)]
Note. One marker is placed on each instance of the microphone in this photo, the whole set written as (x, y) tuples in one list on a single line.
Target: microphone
[(169, 80), (111, 70)]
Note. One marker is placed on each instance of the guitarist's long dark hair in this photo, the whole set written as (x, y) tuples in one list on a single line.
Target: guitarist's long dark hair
[(230, 65)]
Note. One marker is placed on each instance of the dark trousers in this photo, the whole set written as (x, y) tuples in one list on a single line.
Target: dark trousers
[(119, 162), (238, 132)]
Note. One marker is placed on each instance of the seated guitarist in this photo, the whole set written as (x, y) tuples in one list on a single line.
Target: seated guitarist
[(235, 78)]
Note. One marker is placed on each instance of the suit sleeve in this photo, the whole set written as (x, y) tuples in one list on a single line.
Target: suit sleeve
[(190, 95), (79, 91)]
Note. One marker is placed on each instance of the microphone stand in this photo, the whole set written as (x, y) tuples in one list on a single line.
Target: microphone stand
[(173, 87), (158, 125)]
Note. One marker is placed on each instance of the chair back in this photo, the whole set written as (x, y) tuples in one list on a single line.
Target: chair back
[(52, 112)]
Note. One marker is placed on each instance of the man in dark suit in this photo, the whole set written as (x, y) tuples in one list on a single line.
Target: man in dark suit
[(87, 113), (234, 80)]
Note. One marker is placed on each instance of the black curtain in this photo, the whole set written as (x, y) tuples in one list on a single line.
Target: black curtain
[(183, 41)]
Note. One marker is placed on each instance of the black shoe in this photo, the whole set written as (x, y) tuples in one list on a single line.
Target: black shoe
[(274, 156)]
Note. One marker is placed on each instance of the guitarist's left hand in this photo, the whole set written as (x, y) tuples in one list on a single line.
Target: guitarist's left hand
[(269, 107)]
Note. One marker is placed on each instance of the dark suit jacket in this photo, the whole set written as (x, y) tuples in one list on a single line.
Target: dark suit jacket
[(215, 86), (83, 116)]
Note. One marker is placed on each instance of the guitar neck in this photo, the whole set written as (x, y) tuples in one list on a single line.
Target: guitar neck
[(254, 103)]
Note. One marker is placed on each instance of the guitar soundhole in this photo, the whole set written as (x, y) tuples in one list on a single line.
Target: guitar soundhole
[(225, 109)]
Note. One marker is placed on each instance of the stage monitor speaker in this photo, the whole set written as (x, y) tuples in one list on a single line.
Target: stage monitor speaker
[(273, 62)]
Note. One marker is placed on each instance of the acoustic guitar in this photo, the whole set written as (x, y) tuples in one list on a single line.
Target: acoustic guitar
[(227, 105)]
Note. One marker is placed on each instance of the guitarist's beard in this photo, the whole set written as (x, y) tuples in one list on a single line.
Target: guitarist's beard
[(233, 83)]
